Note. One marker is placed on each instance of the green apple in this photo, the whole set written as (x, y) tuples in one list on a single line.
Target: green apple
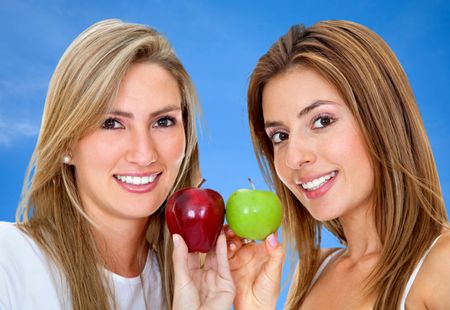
[(253, 214)]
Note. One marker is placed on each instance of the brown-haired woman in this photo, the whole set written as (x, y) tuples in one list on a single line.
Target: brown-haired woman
[(337, 132), (117, 137)]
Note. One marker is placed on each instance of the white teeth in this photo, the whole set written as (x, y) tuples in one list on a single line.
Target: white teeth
[(316, 183), (134, 180)]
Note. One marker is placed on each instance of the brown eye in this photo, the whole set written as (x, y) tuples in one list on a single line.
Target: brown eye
[(111, 123), (322, 122), (165, 122), (279, 137)]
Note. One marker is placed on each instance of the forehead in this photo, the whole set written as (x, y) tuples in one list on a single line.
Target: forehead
[(297, 88), (147, 83)]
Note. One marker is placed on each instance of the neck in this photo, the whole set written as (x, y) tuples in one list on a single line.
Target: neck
[(360, 231), (122, 245)]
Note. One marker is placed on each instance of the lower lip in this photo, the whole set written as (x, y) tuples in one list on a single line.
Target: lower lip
[(317, 193), (138, 189)]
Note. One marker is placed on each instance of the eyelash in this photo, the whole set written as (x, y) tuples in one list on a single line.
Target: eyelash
[(171, 119), (109, 120), (273, 133), (111, 123), (322, 117)]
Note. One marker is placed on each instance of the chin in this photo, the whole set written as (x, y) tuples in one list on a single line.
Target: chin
[(323, 216), (139, 210)]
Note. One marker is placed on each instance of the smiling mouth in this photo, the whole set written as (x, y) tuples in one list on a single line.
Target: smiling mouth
[(135, 180), (318, 183)]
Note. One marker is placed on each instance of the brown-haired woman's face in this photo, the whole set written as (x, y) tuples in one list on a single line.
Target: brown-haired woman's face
[(319, 152), (126, 168)]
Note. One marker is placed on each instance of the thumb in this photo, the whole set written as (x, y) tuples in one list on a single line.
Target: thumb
[(180, 258), (267, 285), (274, 265)]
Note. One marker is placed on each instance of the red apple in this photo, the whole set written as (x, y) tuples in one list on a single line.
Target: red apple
[(197, 215)]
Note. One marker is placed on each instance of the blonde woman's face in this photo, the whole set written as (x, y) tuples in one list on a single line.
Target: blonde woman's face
[(126, 168), (319, 152)]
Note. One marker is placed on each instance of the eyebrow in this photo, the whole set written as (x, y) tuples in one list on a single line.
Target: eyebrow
[(302, 113), (130, 115)]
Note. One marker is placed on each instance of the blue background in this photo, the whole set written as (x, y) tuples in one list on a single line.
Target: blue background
[(219, 42)]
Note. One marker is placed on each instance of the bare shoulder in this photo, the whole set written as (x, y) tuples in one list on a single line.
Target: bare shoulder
[(438, 259), (434, 276), (323, 253)]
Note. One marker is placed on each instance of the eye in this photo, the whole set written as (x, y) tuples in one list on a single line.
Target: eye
[(165, 121), (112, 123), (278, 137), (322, 121)]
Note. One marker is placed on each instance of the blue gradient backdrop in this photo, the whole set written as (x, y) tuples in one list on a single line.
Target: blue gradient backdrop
[(219, 43)]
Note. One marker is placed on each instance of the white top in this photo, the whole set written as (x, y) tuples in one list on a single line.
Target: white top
[(408, 284), (414, 274), (30, 280)]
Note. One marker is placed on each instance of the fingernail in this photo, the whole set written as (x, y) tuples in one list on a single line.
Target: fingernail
[(273, 241), (232, 246), (176, 240)]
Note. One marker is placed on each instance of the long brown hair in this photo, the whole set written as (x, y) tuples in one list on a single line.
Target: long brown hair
[(408, 206), (80, 93)]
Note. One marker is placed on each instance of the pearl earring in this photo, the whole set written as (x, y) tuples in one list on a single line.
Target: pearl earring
[(67, 159)]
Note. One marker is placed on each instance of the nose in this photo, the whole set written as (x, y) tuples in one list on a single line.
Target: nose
[(142, 149), (300, 152)]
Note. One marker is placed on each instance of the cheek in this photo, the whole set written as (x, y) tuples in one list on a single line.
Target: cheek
[(357, 158), (362, 165), (280, 166), (344, 145), (92, 153), (172, 147)]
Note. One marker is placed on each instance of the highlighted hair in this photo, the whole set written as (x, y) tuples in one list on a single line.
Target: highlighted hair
[(409, 210), (80, 93)]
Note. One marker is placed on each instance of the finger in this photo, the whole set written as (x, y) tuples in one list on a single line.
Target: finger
[(194, 260), (234, 246), (228, 232), (231, 251), (223, 268), (274, 266), (179, 257), (230, 235), (247, 241), (211, 261)]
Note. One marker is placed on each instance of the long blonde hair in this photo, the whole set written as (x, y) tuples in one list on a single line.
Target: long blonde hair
[(409, 210), (80, 93)]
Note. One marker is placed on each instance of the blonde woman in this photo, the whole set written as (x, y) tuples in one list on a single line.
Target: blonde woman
[(337, 132), (117, 137)]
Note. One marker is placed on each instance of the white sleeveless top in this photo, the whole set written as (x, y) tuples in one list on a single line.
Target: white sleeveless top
[(30, 280), (414, 274), (409, 284)]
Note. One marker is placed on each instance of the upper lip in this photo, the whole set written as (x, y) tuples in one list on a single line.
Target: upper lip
[(138, 174), (311, 177)]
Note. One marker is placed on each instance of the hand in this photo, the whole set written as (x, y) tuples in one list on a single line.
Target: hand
[(256, 269), (202, 287)]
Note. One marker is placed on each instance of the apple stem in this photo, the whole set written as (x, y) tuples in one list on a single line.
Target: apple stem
[(201, 259), (251, 183), (201, 183)]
